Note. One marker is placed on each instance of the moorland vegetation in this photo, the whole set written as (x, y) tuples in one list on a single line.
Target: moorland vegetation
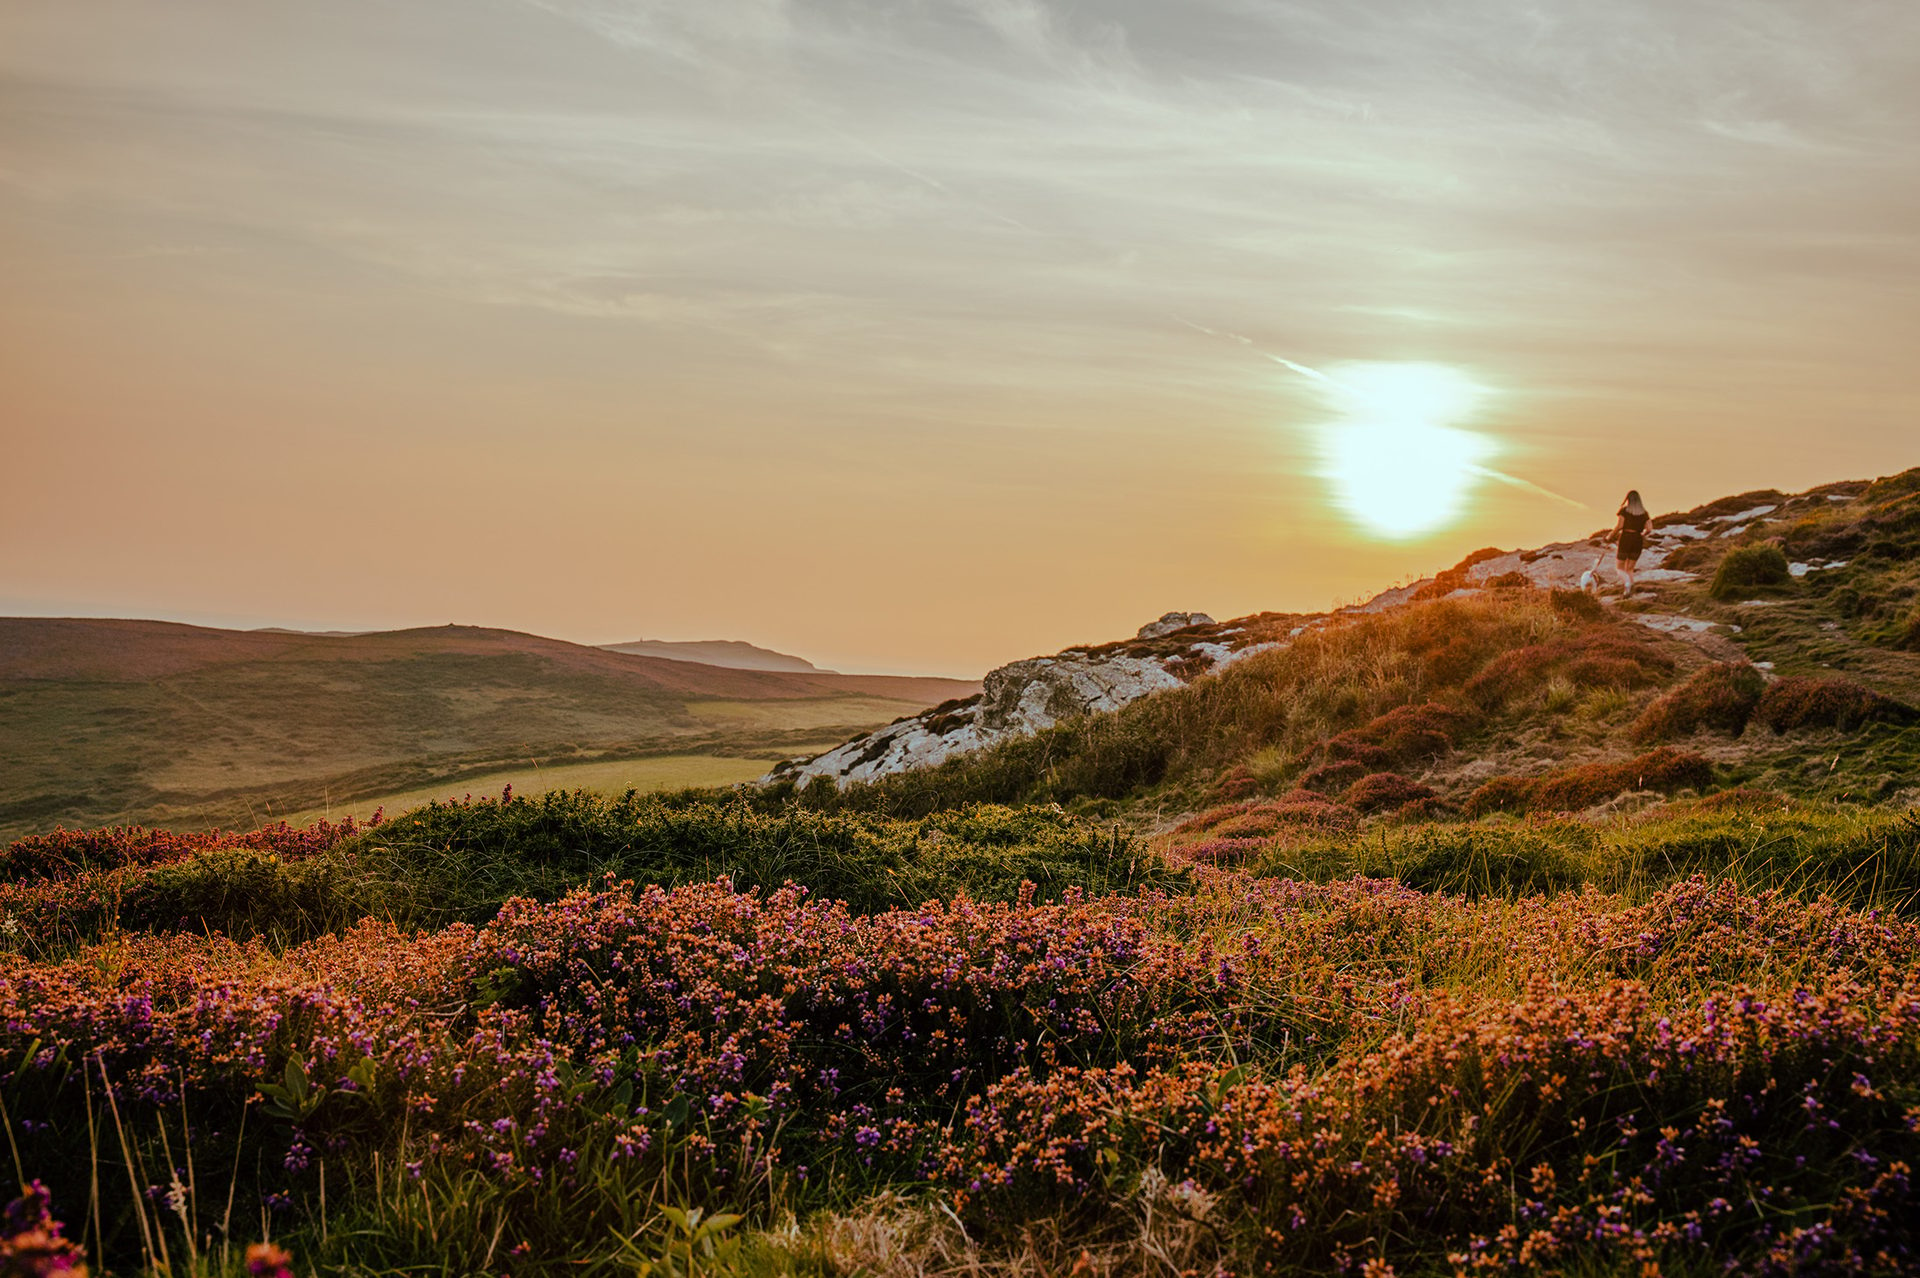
[(1492, 932)]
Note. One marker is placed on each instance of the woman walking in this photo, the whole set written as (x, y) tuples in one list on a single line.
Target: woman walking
[(1630, 531)]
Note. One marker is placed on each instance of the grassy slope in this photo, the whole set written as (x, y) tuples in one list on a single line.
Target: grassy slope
[(1261, 727), (133, 721)]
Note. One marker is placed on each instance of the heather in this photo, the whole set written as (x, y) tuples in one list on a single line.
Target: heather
[(1721, 697), (1341, 1073), (460, 861)]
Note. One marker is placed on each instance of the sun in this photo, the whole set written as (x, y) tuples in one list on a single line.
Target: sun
[(1397, 464)]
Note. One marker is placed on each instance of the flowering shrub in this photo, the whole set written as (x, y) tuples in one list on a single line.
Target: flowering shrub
[(1572, 789), (264, 1260), (1721, 696), (1404, 735), (1331, 1075), (1253, 818), (1333, 776), (32, 1243), (1577, 605), (1793, 704), (1385, 790), (67, 852), (1607, 656), (1556, 1129)]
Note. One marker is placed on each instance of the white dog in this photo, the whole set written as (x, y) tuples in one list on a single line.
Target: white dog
[(1588, 580)]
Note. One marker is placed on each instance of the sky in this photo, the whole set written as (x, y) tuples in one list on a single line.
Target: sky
[(920, 335)]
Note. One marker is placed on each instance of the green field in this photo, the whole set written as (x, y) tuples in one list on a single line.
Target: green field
[(608, 777)]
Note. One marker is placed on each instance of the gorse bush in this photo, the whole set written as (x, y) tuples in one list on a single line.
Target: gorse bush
[(1748, 570)]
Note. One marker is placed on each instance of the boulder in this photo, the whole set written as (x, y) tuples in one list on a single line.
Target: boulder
[(1172, 621)]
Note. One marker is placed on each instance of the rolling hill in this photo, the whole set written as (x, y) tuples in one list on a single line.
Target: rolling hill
[(731, 654), (107, 721)]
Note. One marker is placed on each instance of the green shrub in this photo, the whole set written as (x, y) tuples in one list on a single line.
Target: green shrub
[(1481, 861), (1721, 696), (458, 862), (1908, 637), (1750, 570), (1863, 856)]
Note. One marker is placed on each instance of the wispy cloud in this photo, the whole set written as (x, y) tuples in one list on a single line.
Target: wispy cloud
[(926, 207)]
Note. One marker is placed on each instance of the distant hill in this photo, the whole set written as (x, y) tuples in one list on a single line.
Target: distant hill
[(106, 721), (729, 654)]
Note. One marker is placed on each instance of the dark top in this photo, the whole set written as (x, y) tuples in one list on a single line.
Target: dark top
[(1631, 529)]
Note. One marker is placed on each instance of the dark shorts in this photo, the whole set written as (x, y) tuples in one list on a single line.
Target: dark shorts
[(1629, 547)]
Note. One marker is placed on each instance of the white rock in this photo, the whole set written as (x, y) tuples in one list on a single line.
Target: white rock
[(1171, 622), (1669, 622)]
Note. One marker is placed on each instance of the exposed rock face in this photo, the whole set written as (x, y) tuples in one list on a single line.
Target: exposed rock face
[(1172, 621), (1028, 696)]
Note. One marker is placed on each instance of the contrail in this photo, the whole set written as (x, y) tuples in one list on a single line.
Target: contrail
[(1528, 486), (1314, 374), (1311, 373)]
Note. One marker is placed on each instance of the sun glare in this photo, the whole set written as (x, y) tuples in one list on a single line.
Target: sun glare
[(1396, 462)]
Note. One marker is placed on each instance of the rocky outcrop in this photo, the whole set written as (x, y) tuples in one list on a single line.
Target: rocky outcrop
[(1031, 695), (1172, 621)]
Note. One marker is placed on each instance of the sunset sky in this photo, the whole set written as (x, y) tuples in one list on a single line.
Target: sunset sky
[(920, 335)]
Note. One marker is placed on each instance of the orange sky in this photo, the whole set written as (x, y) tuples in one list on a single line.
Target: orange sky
[(868, 332)]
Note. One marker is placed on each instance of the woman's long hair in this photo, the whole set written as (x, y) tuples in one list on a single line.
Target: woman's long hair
[(1632, 506)]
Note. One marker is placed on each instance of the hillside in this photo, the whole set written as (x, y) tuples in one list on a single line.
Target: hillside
[(730, 654), (1796, 613), (113, 721)]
